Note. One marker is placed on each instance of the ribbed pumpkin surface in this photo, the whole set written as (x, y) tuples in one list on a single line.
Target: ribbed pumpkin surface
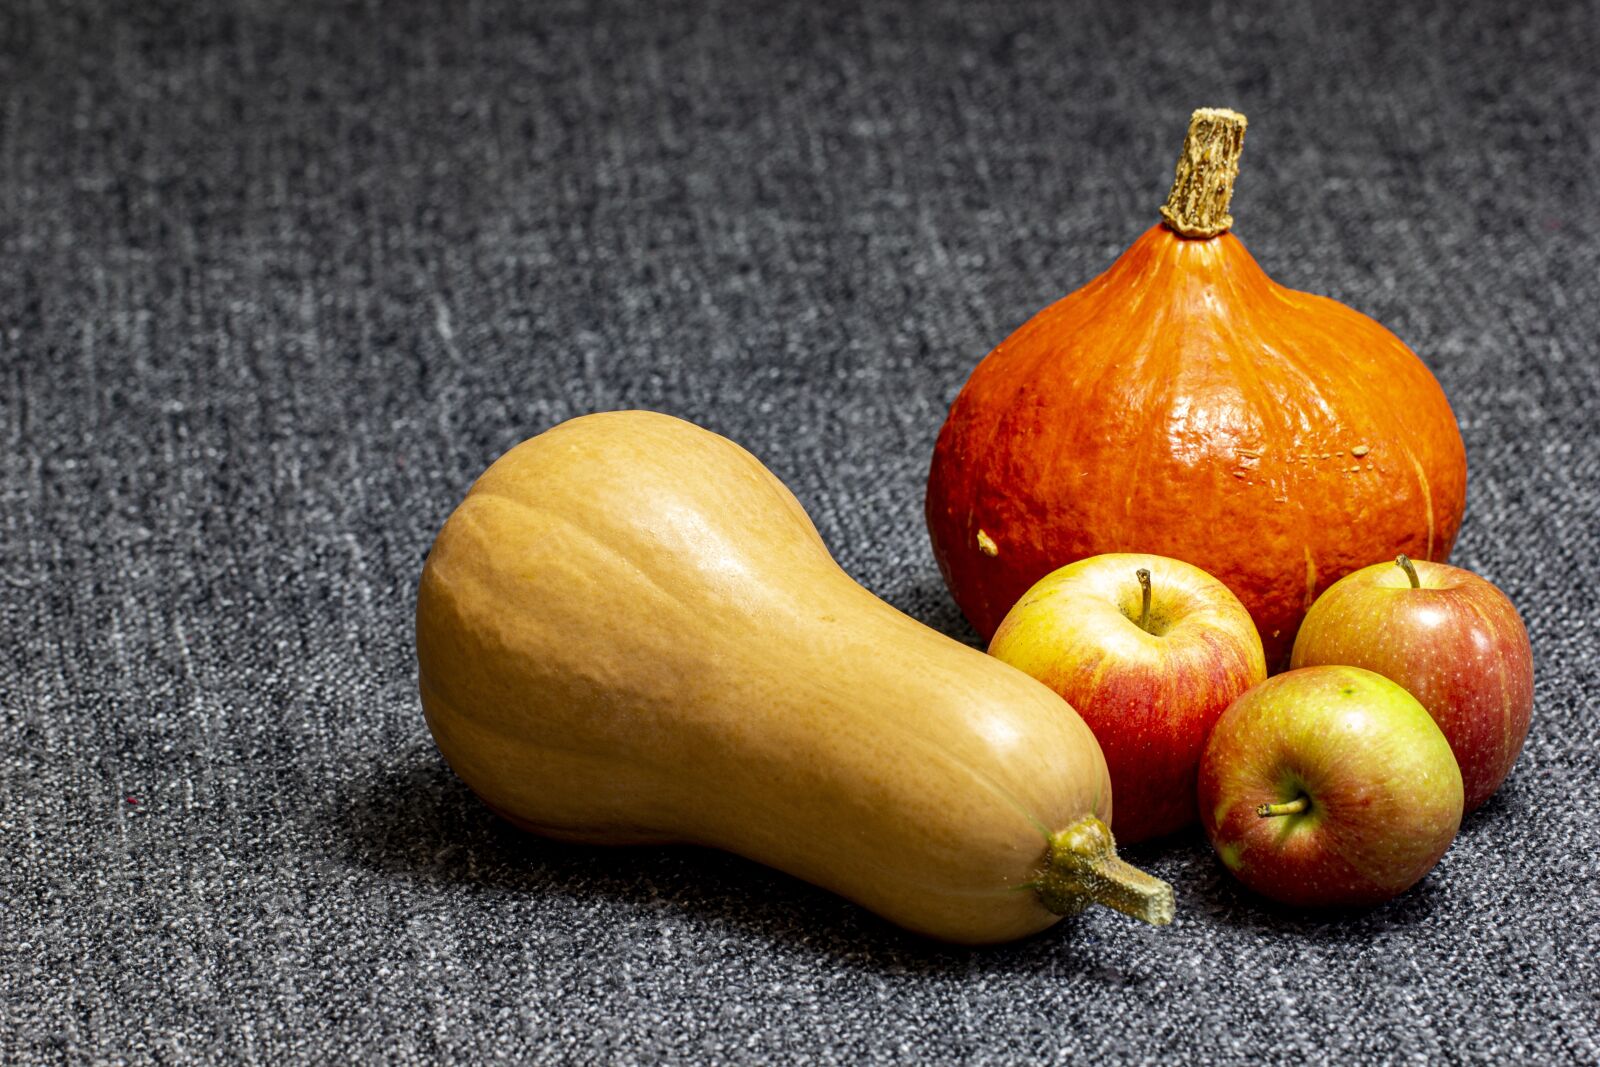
[(1185, 404)]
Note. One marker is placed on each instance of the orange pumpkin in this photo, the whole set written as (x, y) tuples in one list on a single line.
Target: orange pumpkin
[(1185, 404)]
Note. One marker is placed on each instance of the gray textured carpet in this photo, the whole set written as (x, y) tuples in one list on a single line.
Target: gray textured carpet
[(278, 281)]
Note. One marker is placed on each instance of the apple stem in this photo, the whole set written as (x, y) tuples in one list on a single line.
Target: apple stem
[(1288, 807), (1083, 868), (1403, 561), (1144, 598)]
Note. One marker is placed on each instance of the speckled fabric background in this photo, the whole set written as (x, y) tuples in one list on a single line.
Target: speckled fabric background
[(278, 280)]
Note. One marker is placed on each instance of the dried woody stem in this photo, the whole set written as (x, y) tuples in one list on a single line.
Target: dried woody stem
[(1083, 868), (1198, 203)]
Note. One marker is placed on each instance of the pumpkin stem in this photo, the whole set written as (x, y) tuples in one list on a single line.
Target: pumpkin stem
[(1083, 868), (1198, 203), (1403, 561)]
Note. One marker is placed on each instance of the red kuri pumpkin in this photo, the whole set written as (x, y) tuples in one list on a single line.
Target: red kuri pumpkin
[(1185, 404)]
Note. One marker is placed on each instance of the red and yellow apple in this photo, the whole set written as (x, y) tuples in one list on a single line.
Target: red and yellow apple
[(1450, 639), (1329, 786), (1149, 650)]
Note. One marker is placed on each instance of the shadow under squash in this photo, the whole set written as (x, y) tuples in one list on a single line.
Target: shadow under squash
[(415, 819)]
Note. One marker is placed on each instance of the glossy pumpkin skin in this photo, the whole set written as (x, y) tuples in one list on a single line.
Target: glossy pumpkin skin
[(630, 632), (1184, 404)]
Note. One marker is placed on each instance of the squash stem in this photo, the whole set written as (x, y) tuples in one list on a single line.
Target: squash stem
[(1203, 185), (1083, 868)]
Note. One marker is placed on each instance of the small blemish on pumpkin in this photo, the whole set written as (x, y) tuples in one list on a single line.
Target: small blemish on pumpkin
[(1359, 451), (1354, 469), (986, 545)]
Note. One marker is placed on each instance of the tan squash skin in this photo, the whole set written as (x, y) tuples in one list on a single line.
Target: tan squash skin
[(630, 632)]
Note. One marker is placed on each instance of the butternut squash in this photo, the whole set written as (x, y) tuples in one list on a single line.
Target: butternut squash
[(630, 632)]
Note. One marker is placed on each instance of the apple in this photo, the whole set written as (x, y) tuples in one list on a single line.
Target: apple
[(1451, 639), (1149, 650), (1329, 786)]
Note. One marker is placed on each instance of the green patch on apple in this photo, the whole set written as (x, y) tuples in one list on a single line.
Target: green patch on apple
[(1329, 786)]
